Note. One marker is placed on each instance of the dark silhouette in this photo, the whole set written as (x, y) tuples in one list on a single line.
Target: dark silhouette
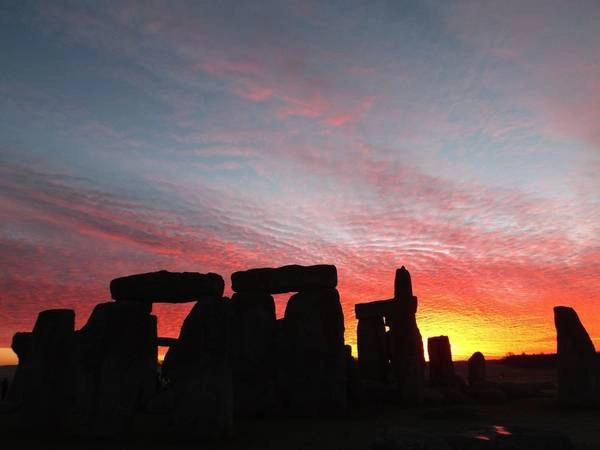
[(578, 363), (170, 287), (4, 388), (403, 343), (441, 368), (233, 358), (293, 278), (477, 369)]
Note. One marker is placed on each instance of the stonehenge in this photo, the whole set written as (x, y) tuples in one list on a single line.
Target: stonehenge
[(47, 372), (234, 358), (578, 362), (398, 351), (308, 366), (441, 368), (476, 369), (116, 367)]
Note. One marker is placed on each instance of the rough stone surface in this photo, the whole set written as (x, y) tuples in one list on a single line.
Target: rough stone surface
[(21, 345), (200, 372), (168, 287), (373, 360), (314, 360), (117, 367), (254, 324), (578, 364), (293, 278), (407, 355), (48, 372), (476, 369), (441, 367), (375, 309)]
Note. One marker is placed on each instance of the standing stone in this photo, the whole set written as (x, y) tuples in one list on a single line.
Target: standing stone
[(578, 364), (292, 278), (48, 370), (402, 284), (408, 359), (315, 358), (21, 345), (117, 367), (441, 367), (169, 287), (372, 355), (476, 368), (253, 361), (200, 372)]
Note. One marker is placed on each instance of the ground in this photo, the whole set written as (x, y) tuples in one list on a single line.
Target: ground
[(359, 427)]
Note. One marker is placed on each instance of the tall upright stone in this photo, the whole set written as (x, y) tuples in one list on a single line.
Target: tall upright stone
[(578, 363), (314, 361), (21, 345), (441, 367), (402, 284), (48, 370), (200, 371), (476, 369), (253, 350), (408, 359), (117, 367), (372, 356)]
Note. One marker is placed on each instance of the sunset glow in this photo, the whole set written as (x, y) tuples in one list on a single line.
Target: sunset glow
[(460, 139)]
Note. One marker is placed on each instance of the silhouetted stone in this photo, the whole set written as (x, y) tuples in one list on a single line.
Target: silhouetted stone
[(403, 285), (166, 341), (168, 287), (578, 366), (48, 382), (375, 309), (441, 367), (407, 356), (314, 359), (200, 371), (117, 364), (476, 368), (254, 331), (372, 356), (21, 345), (293, 278)]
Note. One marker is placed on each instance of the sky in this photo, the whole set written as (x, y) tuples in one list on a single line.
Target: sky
[(458, 138)]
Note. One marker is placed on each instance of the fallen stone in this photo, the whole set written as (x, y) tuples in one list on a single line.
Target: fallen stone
[(49, 372), (117, 367), (476, 368), (441, 367), (578, 366), (168, 287), (200, 372), (254, 356), (293, 278), (314, 359)]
